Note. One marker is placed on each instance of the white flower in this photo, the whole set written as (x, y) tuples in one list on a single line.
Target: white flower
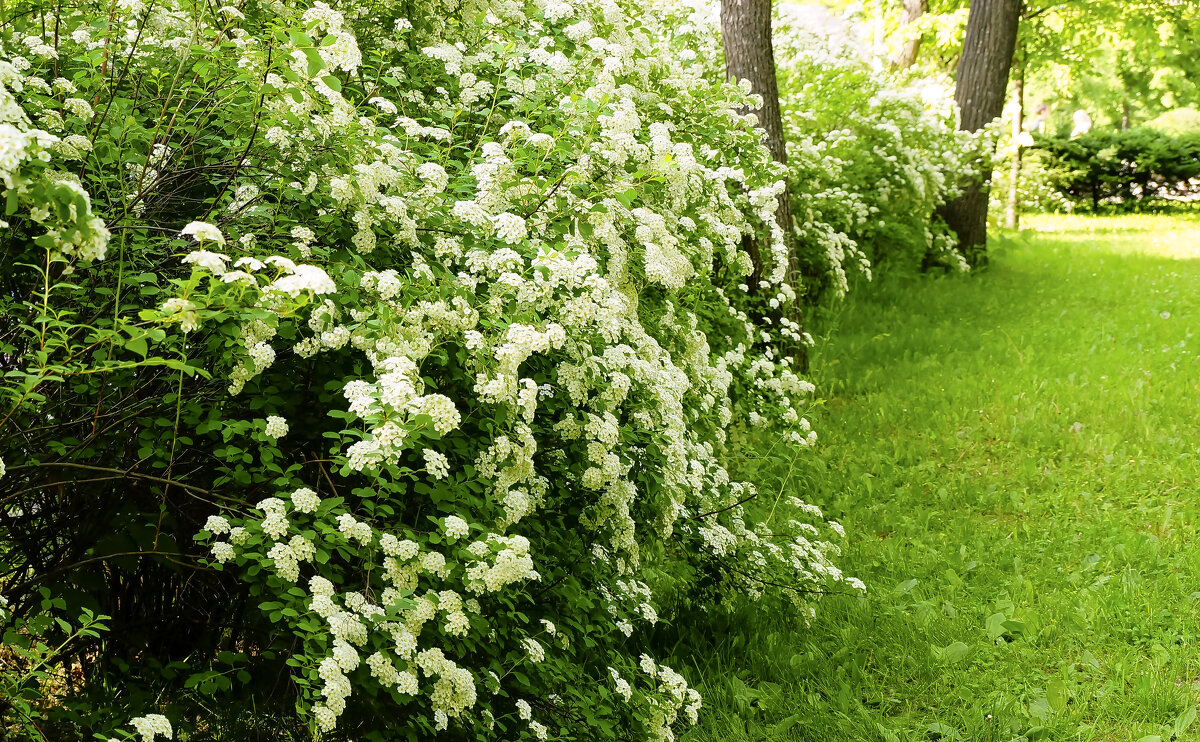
[(471, 213), (212, 261), (183, 312), (436, 464), (216, 525), (238, 277), (383, 104), (203, 232), (304, 278), (434, 175), (282, 263), (79, 107), (151, 725), (251, 264), (277, 426), (534, 650), (275, 525), (524, 710), (621, 684), (456, 527), (222, 551), (305, 500), (509, 227)]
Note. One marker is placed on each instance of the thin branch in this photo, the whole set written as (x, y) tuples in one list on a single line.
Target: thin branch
[(793, 588), (132, 475), (731, 507)]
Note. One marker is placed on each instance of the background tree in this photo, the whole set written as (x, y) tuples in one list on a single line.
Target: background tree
[(914, 10), (980, 89), (750, 55)]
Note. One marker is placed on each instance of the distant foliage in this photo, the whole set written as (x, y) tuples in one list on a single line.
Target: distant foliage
[(1123, 170), (870, 159), (1177, 122), (378, 370)]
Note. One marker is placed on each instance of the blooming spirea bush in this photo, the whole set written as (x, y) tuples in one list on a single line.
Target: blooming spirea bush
[(871, 156), (413, 343)]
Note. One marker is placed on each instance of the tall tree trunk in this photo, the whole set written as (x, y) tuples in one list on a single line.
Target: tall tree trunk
[(982, 82), (1012, 211), (907, 56), (749, 55)]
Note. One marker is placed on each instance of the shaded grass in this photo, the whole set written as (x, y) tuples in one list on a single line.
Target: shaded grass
[(1014, 456)]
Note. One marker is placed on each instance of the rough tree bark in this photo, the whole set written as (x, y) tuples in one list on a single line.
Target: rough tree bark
[(907, 56), (749, 55), (979, 91)]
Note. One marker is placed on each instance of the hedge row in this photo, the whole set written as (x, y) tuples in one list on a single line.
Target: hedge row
[(1126, 170)]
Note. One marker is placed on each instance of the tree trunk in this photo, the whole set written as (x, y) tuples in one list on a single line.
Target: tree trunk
[(982, 82), (749, 55), (907, 56), (1012, 212)]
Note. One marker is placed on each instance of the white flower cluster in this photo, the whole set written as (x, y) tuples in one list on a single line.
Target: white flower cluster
[(276, 427), (152, 725), (53, 199), (203, 232), (181, 310)]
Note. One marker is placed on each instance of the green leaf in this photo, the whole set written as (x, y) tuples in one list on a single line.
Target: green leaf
[(995, 626), (954, 653), (1184, 720), (1056, 694), (1039, 708), (137, 345), (1014, 627), (315, 63)]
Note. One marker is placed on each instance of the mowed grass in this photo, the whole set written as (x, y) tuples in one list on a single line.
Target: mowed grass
[(1015, 458)]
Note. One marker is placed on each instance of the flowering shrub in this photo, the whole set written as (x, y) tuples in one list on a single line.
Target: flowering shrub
[(381, 362), (870, 159)]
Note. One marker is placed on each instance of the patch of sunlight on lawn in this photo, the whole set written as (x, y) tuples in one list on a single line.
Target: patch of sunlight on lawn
[(1173, 236)]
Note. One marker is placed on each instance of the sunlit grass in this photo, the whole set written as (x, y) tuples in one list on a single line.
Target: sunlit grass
[(1014, 456)]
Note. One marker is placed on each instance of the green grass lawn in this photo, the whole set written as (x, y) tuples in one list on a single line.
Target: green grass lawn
[(1014, 455)]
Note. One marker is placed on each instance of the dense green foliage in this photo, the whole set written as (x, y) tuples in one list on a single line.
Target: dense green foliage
[(1126, 170), (1014, 454), (1177, 122), (1118, 59)]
